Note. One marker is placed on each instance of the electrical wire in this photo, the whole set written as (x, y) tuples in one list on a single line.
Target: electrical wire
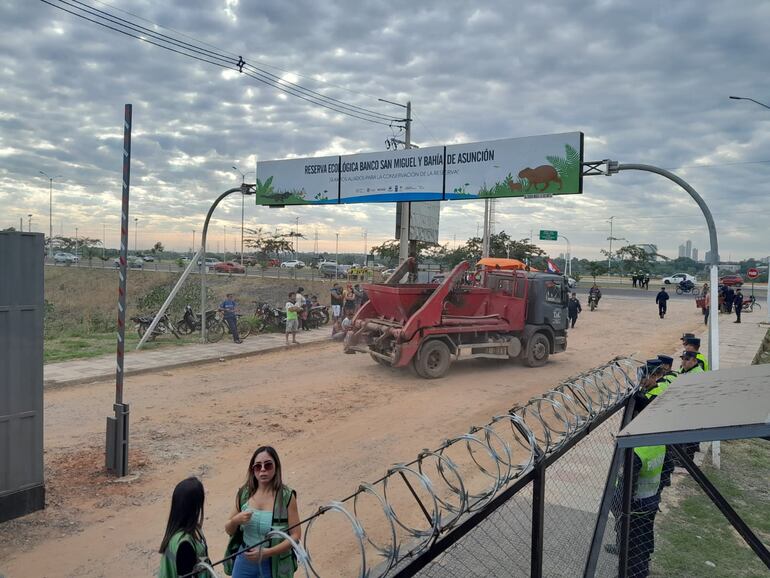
[(144, 34)]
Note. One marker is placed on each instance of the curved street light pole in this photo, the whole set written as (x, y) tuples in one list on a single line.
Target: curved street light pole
[(568, 267), (243, 203), (713, 351), (768, 259)]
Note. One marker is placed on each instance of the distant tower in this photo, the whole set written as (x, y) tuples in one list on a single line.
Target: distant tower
[(682, 250), (688, 249), (694, 254)]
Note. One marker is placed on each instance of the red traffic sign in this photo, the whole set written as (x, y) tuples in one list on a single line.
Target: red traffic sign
[(752, 273)]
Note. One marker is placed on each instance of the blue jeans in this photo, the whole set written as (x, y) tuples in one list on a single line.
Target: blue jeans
[(243, 568), (232, 323)]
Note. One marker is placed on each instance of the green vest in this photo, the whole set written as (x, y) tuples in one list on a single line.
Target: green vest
[(648, 482), (168, 561), (284, 565), (661, 385), (290, 315), (702, 361)]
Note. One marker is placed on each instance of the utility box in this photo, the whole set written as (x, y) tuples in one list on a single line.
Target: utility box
[(22, 310)]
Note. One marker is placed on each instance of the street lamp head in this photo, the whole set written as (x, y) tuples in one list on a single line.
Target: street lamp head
[(737, 97)]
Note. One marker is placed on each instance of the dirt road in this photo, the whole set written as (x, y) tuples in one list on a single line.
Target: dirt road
[(336, 419)]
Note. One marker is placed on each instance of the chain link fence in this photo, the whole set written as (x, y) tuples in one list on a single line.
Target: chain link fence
[(517, 496)]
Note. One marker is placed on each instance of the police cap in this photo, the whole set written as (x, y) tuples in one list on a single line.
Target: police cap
[(692, 341), (685, 336), (689, 355), (666, 360), (651, 365)]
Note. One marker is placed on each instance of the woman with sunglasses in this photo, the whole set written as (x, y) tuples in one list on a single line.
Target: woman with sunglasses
[(183, 545), (263, 503)]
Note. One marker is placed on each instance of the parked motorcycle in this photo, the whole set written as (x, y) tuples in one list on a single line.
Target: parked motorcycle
[(163, 326), (190, 323), (318, 316), (687, 286), (269, 318)]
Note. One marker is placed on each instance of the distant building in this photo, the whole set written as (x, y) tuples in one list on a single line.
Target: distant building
[(707, 257), (694, 254), (688, 249), (682, 251)]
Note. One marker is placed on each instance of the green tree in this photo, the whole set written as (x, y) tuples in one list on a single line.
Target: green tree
[(266, 244), (157, 248), (596, 268)]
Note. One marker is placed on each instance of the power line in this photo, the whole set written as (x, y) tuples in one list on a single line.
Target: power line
[(144, 34)]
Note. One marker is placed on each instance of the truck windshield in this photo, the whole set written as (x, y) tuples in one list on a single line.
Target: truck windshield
[(553, 292)]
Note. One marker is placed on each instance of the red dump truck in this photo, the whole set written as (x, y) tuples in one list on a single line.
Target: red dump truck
[(492, 313)]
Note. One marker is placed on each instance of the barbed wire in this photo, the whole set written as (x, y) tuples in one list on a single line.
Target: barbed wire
[(495, 454)]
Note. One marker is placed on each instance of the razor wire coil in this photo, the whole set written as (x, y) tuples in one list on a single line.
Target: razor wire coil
[(538, 428)]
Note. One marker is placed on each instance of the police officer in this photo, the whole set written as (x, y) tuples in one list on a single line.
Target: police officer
[(661, 299), (648, 378), (738, 305), (692, 343), (573, 308), (690, 366), (647, 469)]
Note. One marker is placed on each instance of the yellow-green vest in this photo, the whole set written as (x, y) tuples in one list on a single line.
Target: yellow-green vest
[(696, 369), (702, 361), (168, 561), (648, 481), (661, 385)]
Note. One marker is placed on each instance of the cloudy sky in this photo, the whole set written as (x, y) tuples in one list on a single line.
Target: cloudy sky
[(647, 82)]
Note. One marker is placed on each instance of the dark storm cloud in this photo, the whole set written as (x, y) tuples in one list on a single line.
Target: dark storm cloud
[(647, 82)]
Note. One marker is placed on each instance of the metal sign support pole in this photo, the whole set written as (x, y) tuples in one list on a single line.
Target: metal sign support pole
[(117, 428), (406, 208)]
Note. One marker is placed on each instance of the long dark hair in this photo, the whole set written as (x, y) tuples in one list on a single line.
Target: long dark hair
[(251, 480), (186, 512)]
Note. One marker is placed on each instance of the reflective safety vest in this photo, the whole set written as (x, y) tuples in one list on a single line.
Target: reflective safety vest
[(661, 385), (696, 369), (648, 482), (168, 561), (702, 361), (284, 565)]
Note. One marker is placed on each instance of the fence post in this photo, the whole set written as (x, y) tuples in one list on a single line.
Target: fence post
[(538, 513), (625, 516)]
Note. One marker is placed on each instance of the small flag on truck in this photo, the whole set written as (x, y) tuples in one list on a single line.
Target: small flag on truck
[(552, 268)]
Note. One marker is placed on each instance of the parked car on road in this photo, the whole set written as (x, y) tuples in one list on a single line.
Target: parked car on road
[(731, 280), (292, 264), (677, 278), (62, 257), (146, 258), (132, 262), (210, 261), (571, 283), (229, 267), (273, 262), (330, 270)]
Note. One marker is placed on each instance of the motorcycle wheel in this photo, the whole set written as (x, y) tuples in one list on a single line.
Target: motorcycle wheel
[(141, 329), (183, 328), (593, 305), (678, 290), (325, 317)]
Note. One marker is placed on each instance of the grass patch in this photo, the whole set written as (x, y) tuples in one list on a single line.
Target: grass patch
[(83, 345), (694, 531)]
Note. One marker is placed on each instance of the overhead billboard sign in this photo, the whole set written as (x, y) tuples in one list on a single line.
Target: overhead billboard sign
[(518, 167)]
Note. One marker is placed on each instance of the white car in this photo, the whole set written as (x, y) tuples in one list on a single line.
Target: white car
[(292, 265), (676, 278), (571, 283), (132, 262), (62, 257)]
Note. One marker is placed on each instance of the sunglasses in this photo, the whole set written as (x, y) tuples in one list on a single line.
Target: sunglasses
[(267, 466)]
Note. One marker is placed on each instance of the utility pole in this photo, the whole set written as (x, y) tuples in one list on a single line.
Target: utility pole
[(609, 256), (76, 242), (50, 203), (224, 243), (243, 205), (193, 245), (485, 240), (104, 239), (365, 244), (136, 231), (296, 236), (337, 255), (29, 222)]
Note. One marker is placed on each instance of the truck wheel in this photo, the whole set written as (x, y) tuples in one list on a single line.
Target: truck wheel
[(538, 349), (433, 360)]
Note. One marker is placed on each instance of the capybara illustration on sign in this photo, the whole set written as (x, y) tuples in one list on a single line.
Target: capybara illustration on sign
[(542, 175), (515, 187)]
